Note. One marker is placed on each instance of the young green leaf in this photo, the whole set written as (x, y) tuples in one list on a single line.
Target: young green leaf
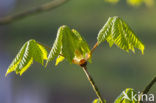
[(68, 44), (56, 48), (83, 49), (30, 51), (105, 31), (117, 32), (127, 96)]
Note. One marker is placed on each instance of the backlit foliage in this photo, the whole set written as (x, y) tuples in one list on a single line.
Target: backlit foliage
[(117, 32), (30, 51), (71, 46)]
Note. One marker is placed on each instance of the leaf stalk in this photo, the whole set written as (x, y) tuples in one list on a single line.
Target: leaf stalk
[(94, 47)]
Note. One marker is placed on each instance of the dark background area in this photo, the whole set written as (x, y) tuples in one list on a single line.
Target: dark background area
[(112, 69)]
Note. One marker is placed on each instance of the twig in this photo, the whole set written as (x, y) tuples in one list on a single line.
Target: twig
[(149, 86), (94, 47), (45, 7), (93, 84)]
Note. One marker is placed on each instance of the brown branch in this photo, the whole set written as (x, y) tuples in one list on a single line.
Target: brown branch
[(95, 88), (149, 86), (45, 7)]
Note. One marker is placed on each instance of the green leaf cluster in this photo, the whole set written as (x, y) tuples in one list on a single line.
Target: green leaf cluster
[(71, 46), (118, 32), (68, 44), (30, 51)]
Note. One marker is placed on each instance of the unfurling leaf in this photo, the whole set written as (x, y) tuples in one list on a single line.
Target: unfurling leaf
[(128, 96), (117, 32), (30, 51), (69, 45)]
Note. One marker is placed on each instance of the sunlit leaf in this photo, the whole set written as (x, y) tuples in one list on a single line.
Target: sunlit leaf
[(30, 51), (117, 32), (70, 45), (56, 48), (83, 48), (105, 32)]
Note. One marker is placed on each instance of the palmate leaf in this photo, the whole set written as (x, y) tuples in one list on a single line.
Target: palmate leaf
[(30, 51), (117, 32), (69, 45)]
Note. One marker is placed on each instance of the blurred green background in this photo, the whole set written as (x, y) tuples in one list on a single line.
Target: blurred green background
[(112, 69)]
